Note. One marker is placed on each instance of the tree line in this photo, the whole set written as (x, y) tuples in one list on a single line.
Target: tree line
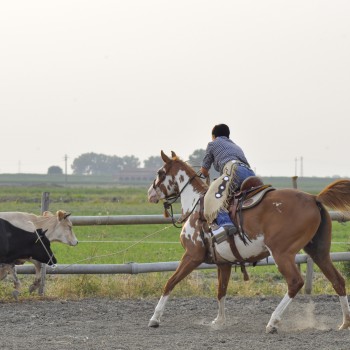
[(102, 164)]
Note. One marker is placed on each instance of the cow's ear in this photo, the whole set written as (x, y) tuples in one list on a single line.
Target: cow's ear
[(165, 158), (61, 214), (41, 232)]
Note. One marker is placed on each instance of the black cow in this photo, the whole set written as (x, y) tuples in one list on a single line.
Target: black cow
[(16, 244)]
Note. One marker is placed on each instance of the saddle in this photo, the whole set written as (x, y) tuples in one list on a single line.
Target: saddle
[(251, 193)]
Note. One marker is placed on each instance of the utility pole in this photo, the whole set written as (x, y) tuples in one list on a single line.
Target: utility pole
[(301, 167), (65, 168)]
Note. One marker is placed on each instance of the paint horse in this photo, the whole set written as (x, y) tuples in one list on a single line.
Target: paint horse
[(283, 223)]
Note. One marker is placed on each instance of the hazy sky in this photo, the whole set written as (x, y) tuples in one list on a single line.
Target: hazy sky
[(134, 77)]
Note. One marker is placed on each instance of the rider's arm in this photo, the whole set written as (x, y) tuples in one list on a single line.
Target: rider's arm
[(204, 171)]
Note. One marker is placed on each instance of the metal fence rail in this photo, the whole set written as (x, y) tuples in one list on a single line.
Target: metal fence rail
[(155, 219), (135, 268)]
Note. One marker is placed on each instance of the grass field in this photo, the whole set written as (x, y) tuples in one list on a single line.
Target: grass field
[(108, 244)]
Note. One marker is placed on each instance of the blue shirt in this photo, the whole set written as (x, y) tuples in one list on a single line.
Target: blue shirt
[(220, 151)]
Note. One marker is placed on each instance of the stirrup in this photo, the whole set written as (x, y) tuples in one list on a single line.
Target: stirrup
[(230, 229)]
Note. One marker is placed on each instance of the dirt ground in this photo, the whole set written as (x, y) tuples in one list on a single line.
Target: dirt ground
[(309, 323)]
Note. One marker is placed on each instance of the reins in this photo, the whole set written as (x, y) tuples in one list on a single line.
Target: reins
[(169, 201)]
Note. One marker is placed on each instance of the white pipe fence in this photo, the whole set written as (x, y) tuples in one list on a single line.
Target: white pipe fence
[(135, 268), (132, 268), (155, 219)]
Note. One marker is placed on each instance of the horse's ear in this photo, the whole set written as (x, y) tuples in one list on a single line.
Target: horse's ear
[(165, 158), (173, 155)]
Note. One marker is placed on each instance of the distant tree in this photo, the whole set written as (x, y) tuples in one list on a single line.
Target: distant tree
[(101, 164), (131, 162), (95, 164), (153, 162), (83, 165), (196, 159), (55, 170)]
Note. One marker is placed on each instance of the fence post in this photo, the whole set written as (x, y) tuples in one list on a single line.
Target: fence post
[(45, 200), (294, 181), (309, 275)]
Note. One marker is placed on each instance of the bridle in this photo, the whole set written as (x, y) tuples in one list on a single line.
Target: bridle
[(170, 200)]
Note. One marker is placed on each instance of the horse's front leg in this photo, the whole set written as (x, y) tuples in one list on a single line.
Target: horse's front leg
[(186, 266), (37, 280), (224, 272)]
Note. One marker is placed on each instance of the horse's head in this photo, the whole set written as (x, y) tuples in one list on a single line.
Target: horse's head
[(173, 178), (165, 184)]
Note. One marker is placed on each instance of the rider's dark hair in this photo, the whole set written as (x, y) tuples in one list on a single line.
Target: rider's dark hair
[(221, 130)]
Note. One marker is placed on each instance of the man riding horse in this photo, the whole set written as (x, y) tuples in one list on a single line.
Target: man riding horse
[(229, 160)]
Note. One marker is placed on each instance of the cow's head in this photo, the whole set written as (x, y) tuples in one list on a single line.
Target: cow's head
[(60, 228)]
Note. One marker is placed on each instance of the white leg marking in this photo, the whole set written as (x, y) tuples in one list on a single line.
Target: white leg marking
[(277, 314), (221, 318), (155, 319), (346, 312)]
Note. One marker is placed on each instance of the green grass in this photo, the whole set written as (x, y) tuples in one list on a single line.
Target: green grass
[(107, 244)]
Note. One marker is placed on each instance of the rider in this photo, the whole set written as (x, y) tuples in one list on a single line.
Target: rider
[(229, 160)]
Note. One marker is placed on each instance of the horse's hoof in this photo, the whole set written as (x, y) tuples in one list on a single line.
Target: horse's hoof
[(271, 330), (218, 322), (15, 294), (345, 325), (153, 323)]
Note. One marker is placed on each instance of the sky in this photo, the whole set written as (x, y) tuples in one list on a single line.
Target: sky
[(140, 76)]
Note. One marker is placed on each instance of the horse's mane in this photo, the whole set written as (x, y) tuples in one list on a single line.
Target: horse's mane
[(191, 171)]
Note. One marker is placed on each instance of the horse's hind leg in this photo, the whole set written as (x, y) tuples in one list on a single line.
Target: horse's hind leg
[(224, 272), (186, 266), (325, 264), (288, 269), (338, 283), (319, 249)]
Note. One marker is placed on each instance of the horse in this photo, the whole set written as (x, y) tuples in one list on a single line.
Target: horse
[(284, 222)]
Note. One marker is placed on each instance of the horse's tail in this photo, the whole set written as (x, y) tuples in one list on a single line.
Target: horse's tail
[(336, 195)]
